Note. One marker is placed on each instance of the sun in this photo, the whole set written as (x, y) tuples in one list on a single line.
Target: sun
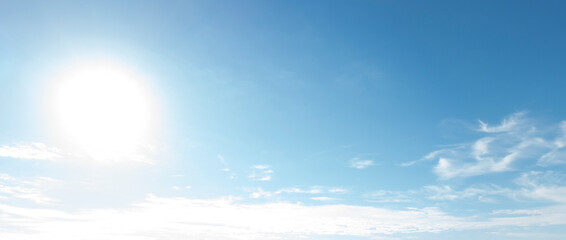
[(104, 108)]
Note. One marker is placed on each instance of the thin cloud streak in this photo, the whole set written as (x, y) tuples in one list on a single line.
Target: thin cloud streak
[(35, 151)]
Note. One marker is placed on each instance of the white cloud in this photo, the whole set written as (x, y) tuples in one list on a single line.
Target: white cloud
[(432, 156), (260, 193), (516, 138), (508, 124), (360, 164), (265, 178), (546, 186), (261, 173), (181, 218), (482, 193), (172, 218), (386, 196), (557, 154), (37, 151), (13, 188)]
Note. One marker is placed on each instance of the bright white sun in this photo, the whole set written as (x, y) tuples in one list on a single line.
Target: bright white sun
[(103, 108)]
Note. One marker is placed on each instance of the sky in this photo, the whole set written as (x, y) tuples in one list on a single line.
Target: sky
[(223, 120)]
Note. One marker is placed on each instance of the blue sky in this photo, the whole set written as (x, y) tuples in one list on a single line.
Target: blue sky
[(282, 120)]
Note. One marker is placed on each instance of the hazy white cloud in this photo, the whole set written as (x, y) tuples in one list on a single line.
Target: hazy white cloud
[(388, 196), (529, 235), (516, 212), (360, 163), (13, 188), (337, 190), (180, 218), (260, 193), (480, 193), (557, 154), (298, 190), (38, 151), (294, 190), (167, 218), (260, 167), (546, 186)]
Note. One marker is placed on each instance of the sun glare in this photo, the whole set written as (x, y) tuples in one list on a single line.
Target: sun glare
[(102, 108)]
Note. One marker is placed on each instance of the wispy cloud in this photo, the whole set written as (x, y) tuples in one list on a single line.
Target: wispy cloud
[(232, 175), (37, 151), (360, 163), (478, 193), (13, 188), (295, 190), (557, 154), (538, 186), (388, 196), (508, 124), (516, 212), (515, 138), (222, 160), (546, 186)]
